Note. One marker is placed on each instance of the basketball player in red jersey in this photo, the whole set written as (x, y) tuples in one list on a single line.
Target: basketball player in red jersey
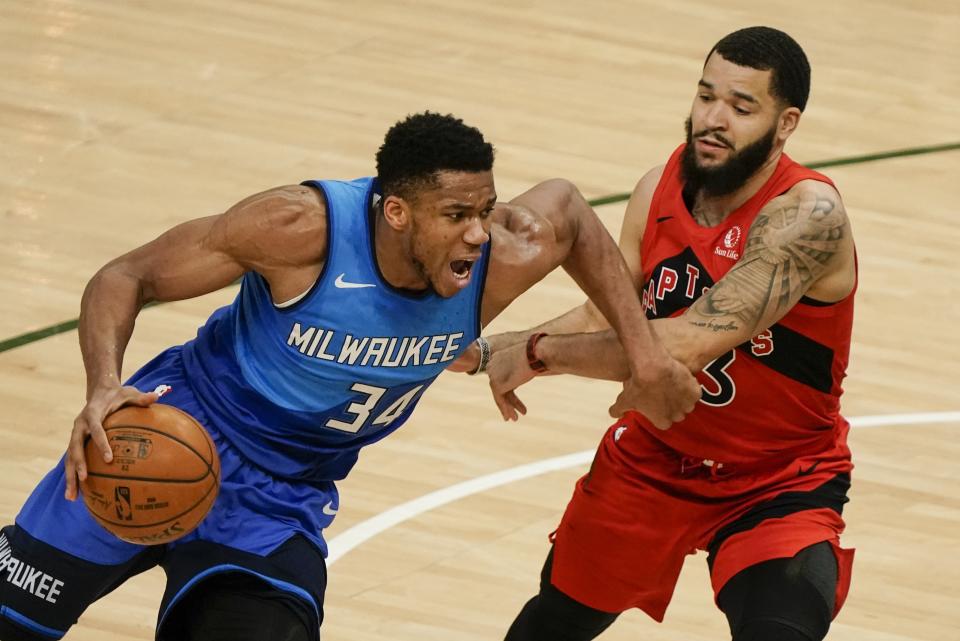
[(747, 261)]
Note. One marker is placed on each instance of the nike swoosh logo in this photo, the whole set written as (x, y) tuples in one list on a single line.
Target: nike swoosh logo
[(329, 510), (342, 284)]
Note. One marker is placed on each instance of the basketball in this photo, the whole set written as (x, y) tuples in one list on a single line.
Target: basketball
[(163, 479)]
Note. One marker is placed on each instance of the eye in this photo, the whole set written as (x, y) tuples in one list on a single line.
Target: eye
[(486, 213), (455, 216), (705, 97), (741, 111)]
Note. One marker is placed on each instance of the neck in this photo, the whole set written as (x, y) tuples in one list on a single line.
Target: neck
[(710, 211), (393, 256)]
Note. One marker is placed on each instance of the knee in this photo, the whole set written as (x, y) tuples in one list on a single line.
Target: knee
[(237, 608), (553, 616), (773, 630)]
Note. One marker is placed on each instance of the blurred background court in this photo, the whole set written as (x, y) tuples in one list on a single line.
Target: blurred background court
[(121, 118)]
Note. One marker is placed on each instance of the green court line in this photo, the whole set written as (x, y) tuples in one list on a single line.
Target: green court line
[(821, 164), (60, 328)]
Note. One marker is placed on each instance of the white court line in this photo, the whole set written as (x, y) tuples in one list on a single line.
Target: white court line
[(365, 530)]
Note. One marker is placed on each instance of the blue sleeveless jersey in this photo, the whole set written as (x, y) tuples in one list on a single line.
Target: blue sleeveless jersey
[(300, 389)]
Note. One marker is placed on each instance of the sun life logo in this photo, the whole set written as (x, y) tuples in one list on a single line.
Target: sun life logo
[(731, 240)]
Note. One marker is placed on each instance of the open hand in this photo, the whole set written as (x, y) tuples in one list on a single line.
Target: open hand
[(102, 403), (508, 370)]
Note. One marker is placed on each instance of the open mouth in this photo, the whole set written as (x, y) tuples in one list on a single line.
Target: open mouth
[(461, 269)]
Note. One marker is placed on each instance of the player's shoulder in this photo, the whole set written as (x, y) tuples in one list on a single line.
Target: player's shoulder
[(813, 198), (286, 205), (281, 213), (643, 191), (814, 187), (641, 198), (286, 223), (648, 182)]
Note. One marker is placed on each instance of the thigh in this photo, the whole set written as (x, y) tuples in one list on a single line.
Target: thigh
[(623, 537), (795, 594), (286, 586), (779, 527), (46, 586), (235, 606)]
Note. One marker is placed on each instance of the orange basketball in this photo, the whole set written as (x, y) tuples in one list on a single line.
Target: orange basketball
[(163, 479)]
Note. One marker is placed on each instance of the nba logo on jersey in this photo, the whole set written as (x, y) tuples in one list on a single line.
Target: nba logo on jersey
[(731, 240)]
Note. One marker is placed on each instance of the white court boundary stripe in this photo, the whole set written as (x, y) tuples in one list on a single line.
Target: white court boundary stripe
[(365, 530)]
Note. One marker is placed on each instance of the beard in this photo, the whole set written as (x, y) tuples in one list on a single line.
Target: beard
[(731, 175), (418, 260)]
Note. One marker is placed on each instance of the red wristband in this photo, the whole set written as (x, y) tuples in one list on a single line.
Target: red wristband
[(535, 363)]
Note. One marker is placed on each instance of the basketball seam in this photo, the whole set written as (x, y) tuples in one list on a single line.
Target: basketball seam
[(122, 477), (209, 439), (172, 438), (212, 487)]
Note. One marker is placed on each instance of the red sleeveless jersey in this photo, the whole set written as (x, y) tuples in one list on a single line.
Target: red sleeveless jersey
[(774, 396)]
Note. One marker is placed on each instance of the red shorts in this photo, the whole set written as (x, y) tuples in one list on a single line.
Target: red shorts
[(643, 507)]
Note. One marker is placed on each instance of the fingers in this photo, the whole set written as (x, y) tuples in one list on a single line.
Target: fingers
[(130, 396), (99, 438), (510, 406), (70, 474), (516, 403), (142, 399), (74, 463), (621, 406), (89, 425)]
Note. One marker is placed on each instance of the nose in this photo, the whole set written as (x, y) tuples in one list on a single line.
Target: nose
[(715, 117), (475, 234)]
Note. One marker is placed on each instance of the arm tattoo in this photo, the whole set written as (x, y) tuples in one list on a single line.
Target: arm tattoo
[(788, 248)]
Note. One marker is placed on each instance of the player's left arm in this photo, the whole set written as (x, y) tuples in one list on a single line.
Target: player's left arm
[(800, 244)]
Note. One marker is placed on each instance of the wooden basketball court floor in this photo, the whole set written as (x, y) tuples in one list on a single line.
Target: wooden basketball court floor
[(119, 119)]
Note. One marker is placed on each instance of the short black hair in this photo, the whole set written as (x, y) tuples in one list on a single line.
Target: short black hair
[(766, 48), (419, 146)]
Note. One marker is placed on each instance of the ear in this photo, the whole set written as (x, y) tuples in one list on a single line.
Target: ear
[(397, 212), (789, 119)]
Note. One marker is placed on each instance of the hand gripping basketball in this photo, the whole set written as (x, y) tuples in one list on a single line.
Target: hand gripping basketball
[(163, 478)]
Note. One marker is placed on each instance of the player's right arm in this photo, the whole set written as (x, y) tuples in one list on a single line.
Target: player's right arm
[(586, 318), (579, 342), (280, 233)]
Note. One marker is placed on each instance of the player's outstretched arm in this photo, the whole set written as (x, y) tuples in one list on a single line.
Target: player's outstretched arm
[(280, 233), (586, 318), (553, 225)]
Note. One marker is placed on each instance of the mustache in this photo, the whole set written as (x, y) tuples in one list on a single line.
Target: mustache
[(716, 136)]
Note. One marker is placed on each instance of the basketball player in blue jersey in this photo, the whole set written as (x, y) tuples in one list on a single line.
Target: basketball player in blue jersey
[(354, 297)]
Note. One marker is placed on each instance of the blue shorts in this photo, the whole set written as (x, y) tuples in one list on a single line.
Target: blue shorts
[(56, 560)]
